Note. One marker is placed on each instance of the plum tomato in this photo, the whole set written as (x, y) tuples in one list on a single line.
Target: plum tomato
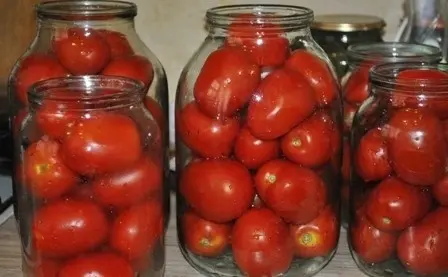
[(371, 158), (283, 100), (210, 185), (317, 238), (203, 237), (136, 231), (356, 87), (81, 51), (104, 143), (318, 74), (440, 191), (261, 244), (35, 68), (226, 82), (422, 248), (254, 152), (394, 205), (295, 193), (207, 137), (118, 43), (157, 112), (68, 227), (46, 268), (46, 176), (135, 67), (349, 115), (97, 264), (416, 146), (346, 161)]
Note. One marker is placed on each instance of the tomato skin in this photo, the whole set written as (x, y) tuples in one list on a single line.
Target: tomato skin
[(440, 191), (226, 82), (253, 152), (261, 244), (210, 138), (68, 227), (118, 43), (394, 205), (46, 268), (283, 100), (356, 88), (135, 67), (267, 175)]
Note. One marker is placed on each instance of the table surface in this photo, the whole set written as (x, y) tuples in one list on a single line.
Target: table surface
[(176, 266)]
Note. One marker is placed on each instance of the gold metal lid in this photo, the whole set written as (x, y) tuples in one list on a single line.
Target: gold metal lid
[(347, 22)]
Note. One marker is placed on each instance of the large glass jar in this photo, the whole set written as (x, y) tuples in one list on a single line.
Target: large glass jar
[(399, 184), (89, 180), (258, 136)]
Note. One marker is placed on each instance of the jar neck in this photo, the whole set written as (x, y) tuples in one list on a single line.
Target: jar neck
[(118, 24)]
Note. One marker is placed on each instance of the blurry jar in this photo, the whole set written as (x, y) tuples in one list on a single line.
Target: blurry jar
[(258, 146), (89, 180)]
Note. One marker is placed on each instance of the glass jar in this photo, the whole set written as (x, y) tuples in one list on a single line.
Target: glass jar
[(398, 225), (73, 218), (258, 137)]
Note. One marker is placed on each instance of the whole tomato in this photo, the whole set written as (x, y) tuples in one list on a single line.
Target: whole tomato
[(395, 205), (68, 227), (440, 191), (317, 238), (254, 152), (46, 268), (416, 146), (318, 74), (157, 112), (283, 100), (209, 186), (226, 82), (261, 244), (356, 87), (267, 175), (349, 115), (118, 43), (210, 138), (203, 237), (135, 67)]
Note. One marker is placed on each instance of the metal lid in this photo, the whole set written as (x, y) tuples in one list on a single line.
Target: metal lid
[(347, 22)]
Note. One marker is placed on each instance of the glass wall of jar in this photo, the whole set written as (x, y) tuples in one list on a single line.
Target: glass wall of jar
[(399, 216), (89, 37), (89, 179), (258, 136)]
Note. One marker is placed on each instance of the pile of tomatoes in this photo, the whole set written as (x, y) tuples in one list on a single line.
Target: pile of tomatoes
[(261, 129)]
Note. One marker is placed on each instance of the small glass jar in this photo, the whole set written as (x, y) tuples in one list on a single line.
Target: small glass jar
[(258, 137), (90, 199), (399, 185)]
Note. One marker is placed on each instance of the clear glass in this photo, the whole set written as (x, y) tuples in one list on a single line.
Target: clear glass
[(72, 173), (258, 136), (398, 201)]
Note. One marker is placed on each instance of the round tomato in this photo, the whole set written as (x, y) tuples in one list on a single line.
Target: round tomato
[(118, 43), (134, 67), (210, 185), (103, 143), (46, 176), (349, 115), (253, 152), (46, 268), (68, 227), (356, 88), (394, 205), (261, 244), (98, 265), (318, 74), (346, 161), (226, 82), (283, 100), (203, 237), (137, 230), (210, 138), (267, 175), (440, 191), (156, 111)]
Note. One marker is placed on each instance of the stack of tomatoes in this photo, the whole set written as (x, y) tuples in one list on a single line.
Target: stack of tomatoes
[(262, 132)]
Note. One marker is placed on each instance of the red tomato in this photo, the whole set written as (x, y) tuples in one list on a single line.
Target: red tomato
[(35, 68), (81, 51), (45, 173), (416, 146), (318, 74), (346, 161), (68, 227), (103, 143), (98, 265), (261, 244), (226, 82), (203, 237), (210, 138), (283, 100), (267, 175), (137, 230), (156, 111), (317, 238), (349, 115), (253, 152), (118, 43), (356, 87), (46, 268), (210, 185), (440, 191), (135, 67), (394, 205)]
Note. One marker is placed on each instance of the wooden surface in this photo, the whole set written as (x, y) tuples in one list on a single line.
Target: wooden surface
[(341, 266)]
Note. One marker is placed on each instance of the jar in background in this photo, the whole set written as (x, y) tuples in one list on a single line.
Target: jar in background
[(335, 32), (258, 137), (89, 180), (399, 184)]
